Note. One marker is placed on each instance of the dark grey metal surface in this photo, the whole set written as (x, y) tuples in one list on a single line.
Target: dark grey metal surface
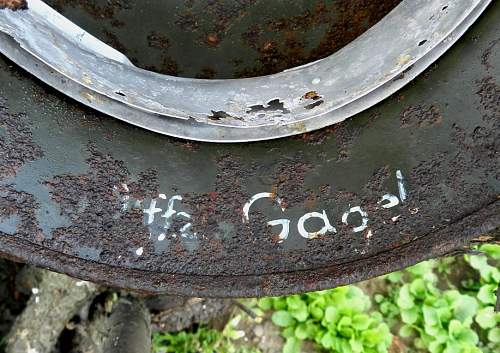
[(74, 185), (225, 38)]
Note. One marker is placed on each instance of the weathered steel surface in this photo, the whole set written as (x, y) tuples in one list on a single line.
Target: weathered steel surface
[(224, 39), (87, 195), (295, 101)]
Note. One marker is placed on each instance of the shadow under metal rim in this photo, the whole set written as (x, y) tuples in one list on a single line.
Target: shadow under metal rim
[(295, 101)]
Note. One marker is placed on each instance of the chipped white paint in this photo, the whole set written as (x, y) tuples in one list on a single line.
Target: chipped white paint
[(151, 211), (261, 195), (170, 212), (364, 218), (285, 223), (401, 186), (35, 290), (186, 233), (395, 219), (393, 201), (316, 81), (160, 231), (327, 227)]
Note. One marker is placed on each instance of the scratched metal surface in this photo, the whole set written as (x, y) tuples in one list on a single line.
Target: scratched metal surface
[(84, 194)]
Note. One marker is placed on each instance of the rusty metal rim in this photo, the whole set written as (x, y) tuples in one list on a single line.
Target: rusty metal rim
[(448, 239), (89, 71)]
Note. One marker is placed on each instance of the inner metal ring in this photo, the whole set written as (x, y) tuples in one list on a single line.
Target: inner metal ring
[(302, 99)]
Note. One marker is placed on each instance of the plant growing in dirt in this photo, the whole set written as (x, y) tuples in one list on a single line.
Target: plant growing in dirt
[(338, 320), (202, 340), (446, 320)]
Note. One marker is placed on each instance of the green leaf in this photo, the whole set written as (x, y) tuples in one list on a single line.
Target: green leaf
[(345, 347), (417, 288), (311, 328), (301, 314), (266, 303), (406, 331), (288, 332), (493, 250), (405, 300), (301, 331), (464, 307), (422, 268), (486, 294), (409, 316), (462, 333), (316, 312), (327, 340), (480, 263), (453, 347), (371, 337), (344, 321), (282, 318), (361, 322), (294, 302), (279, 304), (432, 330), (436, 347), (486, 317), (292, 345), (494, 335), (331, 314), (356, 346), (395, 276), (431, 316)]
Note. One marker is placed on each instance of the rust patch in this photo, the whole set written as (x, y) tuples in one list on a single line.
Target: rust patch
[(289, 180), (99, 12), (16, 146), (207, 73), (312, 95), (14, 5), (352, 18), (88, 201), (420, 116), (212, 40), (486, 56), (168, 66), (158, 40)]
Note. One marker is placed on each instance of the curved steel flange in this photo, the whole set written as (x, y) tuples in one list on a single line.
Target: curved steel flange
[(302, 99)]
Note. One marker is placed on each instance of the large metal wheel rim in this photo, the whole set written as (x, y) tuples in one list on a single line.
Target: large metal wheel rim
[(237, 110)]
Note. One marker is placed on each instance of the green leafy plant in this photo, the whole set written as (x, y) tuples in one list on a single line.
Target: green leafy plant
[(338, 320), (445, 320), (485, 292), (202, 340)]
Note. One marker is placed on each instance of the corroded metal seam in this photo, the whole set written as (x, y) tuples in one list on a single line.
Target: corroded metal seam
[(63, 55)]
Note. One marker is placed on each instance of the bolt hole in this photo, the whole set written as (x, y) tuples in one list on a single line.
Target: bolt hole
[(120, 93), (422, 42)]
